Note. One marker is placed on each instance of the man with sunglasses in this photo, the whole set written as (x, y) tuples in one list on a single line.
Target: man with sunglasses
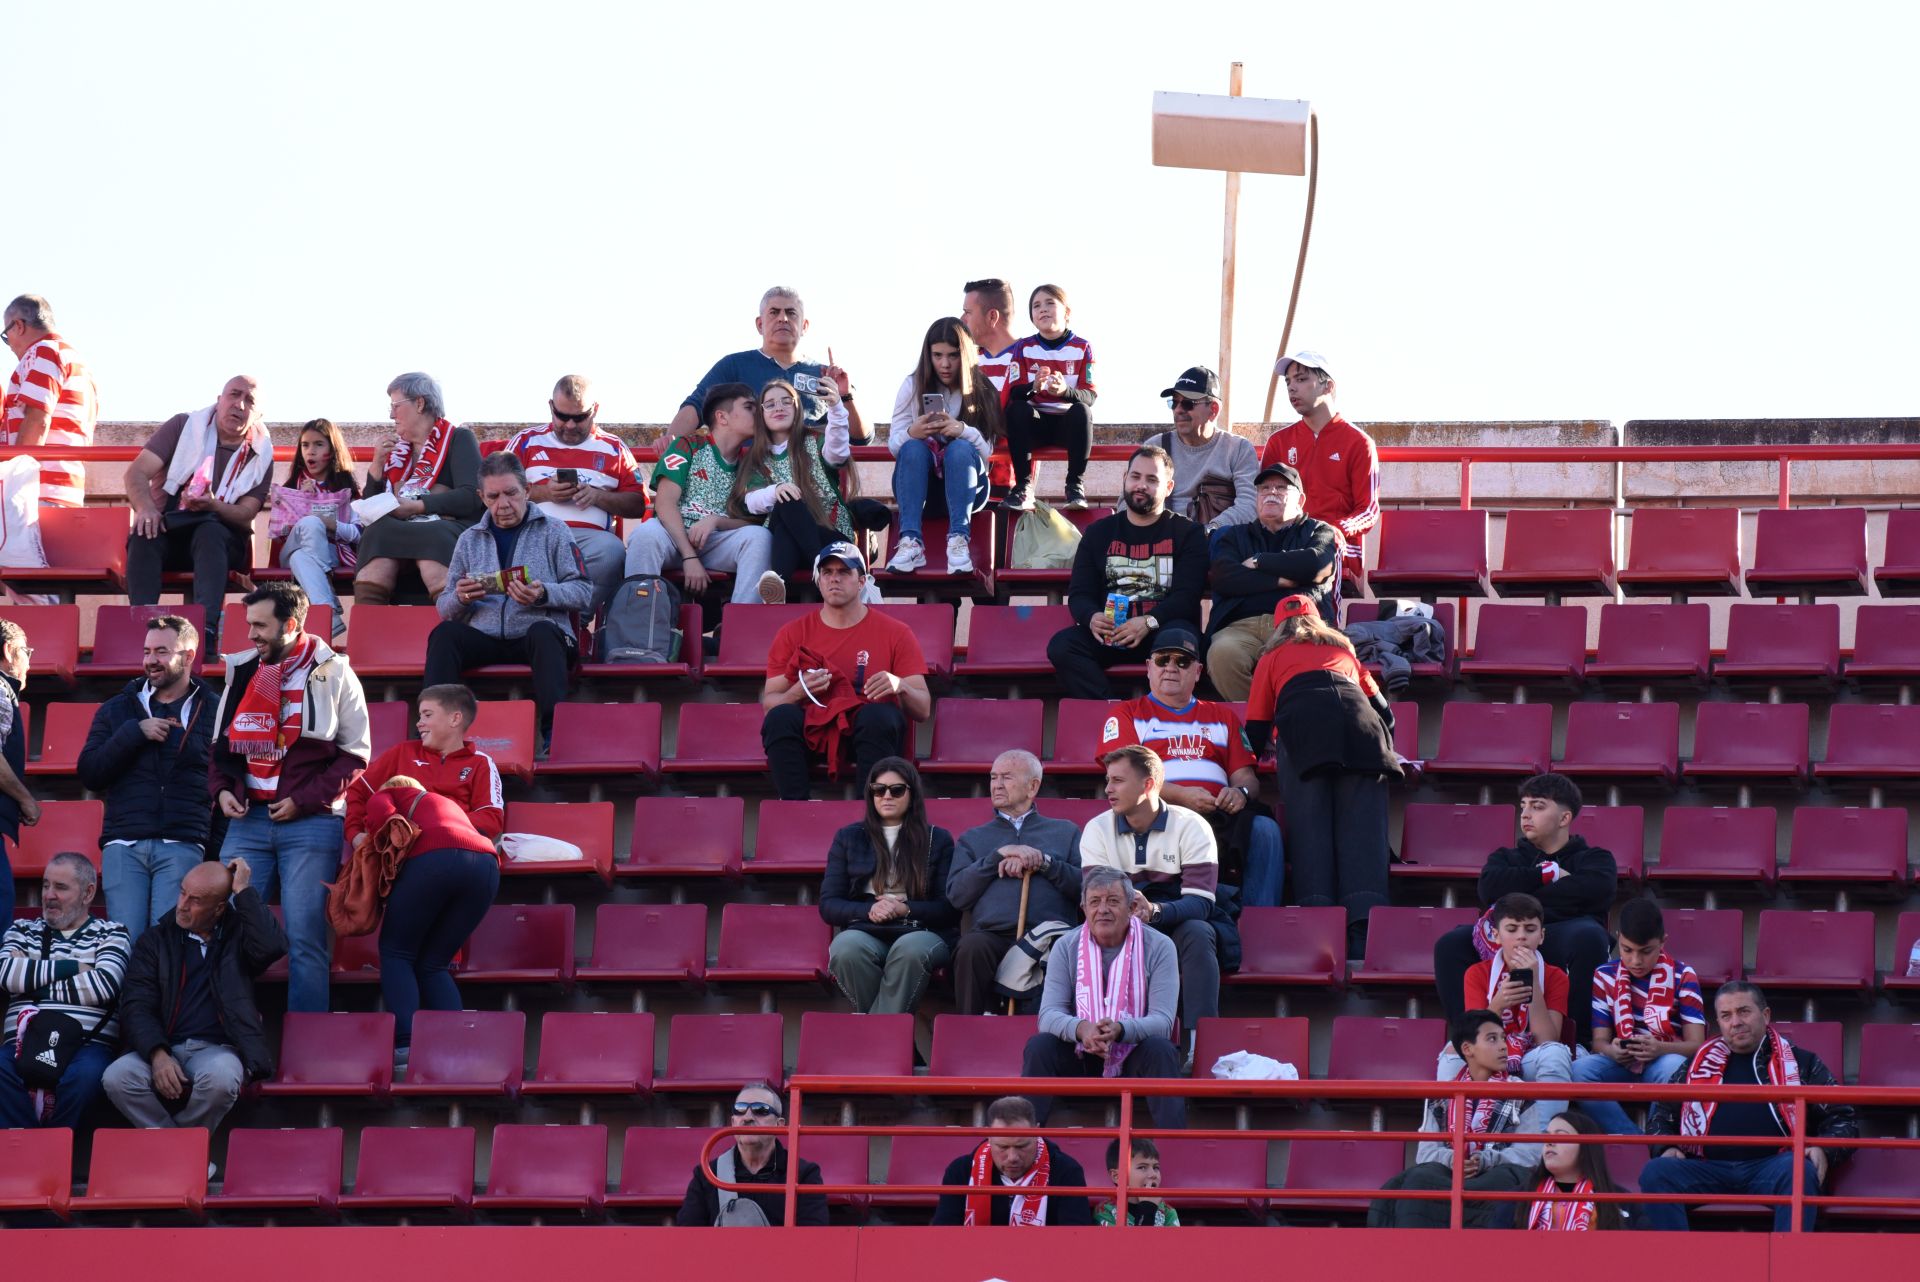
[(584, 478), (1282, 552), (1213, 469), (753, 1159)]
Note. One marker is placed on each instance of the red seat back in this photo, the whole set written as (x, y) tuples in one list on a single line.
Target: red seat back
[(1187, 1162), (390, 722), (932, 627), (722, 1052), (1690, 547), (1432, 543), (120, 634), (63, 826), (747, 632), (794, 836), (1654, 640), (1554, 546), (1718, 840), (596, 1048), (687, 836), (656, 940), (1528, 640), (420, 1165), (62, 735), (1385, 1050), (1849, 841), (1494, 738), (522, 943), (1293, 945), (969, 733), (1013, 637), (1400, 943), (1078, 730), (548, 1164), (1340, 1165), (1886, 640), (1814, 949), (1761, 740), (1825, 1038), (1795, 640), (713, 736), (293, 1163), (1873, 740), (773, 942), (161, 1169), (838, 1044), (503, 729), (1620, 831), (1282, 1039), (390, 640), (611, 738), (86, 542), (54, 633), (1711, 940), (335, 1053), (1454, 839), (36, 1169), (467, 1052), (1889, 1056), (657, 1161), (980, 1045), (1622, 739), (587, 824), (1815, 546), (923, 1159)]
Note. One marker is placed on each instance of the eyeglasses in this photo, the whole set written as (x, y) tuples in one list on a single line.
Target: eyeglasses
[(756, 1110), (1180, 661), (889, 790), (581, 417), (772, 401)]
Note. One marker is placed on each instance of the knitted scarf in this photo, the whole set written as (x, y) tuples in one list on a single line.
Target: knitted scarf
[(267, 719), (1481, 1115), (1119, 994), (1561, 1215), (1028, 1211), (1709, 1066), (411, 471), (1657, 1019)]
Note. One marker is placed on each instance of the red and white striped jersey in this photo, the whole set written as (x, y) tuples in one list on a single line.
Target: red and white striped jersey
[(1001, 370), (602, 460), (1070, 356), (52, 376)]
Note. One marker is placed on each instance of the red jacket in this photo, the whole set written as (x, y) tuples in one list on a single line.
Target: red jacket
[(442, 823), (1340, 469), (467, 775)]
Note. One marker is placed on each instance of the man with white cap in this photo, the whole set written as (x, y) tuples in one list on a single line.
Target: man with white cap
[(1337, 462), (842, 681), (1281, 553)]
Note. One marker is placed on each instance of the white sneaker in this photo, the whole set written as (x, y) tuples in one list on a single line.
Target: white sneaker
[(908, 557), (959, 555), (773, 589)]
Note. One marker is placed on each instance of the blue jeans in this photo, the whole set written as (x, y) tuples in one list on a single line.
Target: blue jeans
[(310, 554), (143, 880), (964, 480), (1764, 1176), (79, 1087), (437, 900), (1611, 1114), (299, 856), (1266, 865)]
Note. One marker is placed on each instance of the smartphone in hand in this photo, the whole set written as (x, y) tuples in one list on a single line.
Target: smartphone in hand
[(567, 475), (932, 403), (1522, 977)]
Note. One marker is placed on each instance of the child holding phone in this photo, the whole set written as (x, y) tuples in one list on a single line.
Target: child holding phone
[(1050, 397), (946, 425), (1648, 1015), (1528, 995)]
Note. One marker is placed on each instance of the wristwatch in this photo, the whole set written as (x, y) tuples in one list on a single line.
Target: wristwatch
[(1243, 791), (1153, 624)]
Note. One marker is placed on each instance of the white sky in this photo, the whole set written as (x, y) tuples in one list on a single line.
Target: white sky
[(1526, 211)]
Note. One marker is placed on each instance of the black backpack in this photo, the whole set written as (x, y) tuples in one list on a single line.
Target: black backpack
[(642, 621)]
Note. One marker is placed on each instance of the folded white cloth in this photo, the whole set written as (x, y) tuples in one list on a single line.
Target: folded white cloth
[(1245, 1066)]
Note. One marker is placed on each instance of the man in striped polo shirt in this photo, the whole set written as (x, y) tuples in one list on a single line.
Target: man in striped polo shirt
[(50, 399), (583, 477)]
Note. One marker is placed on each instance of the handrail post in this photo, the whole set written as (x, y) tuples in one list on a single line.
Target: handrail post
[(1786, 470), (1457, 1125), (1466, 481), (1122, 1208), (793, 1158), (1799, 1162)]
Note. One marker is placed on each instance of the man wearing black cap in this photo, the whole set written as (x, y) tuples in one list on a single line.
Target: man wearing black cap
[(1281, 552), (1213, 469)]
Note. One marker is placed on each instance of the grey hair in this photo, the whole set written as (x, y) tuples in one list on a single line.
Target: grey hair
[(82, 866), (578, 386), (36, 312), (421, 387), (502, 463), (762, 1084), (1100, 875), (1024, 759), (782, 291), (11, 632)]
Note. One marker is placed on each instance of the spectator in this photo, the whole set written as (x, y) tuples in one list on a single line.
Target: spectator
[(430, 468), (842, 681), (692, 482), (781, 323), (949, 444), (1013, 1162), (441, 759), (515, 592), (1336, 755), (17, 805), (885, 889), (985, 308), (1214, 468), (1143, 1161), (1748, 1052), (445, 886), (1574, 1168), (804, 510), (1281, 553), (1209, 768), (1527, 993), (63, 965), (194, 1035), (50, 400), (146, 755), (1574, 882), (195, 488), (1338, 461), (1477, 1052), (319, 483), (1648, 1018), (1113, 990), (1155, 559), (992, 862), (289, 735), (753, 1159), (1050, 397), (584, 478)]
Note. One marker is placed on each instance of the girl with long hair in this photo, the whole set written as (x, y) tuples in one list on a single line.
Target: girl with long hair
[(946, 427), (1573, 1168), (326, 536)]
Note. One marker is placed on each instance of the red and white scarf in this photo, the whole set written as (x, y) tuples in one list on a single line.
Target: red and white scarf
[(1028, 1211), (267, 719), (1657, 1019), (1577, 1216), (1120, 993), (1709, 1067), (1481, 1116), (1514, 1018), (412, 470)]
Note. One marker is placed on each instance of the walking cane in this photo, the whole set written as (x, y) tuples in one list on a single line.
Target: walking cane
[(1020, 928)]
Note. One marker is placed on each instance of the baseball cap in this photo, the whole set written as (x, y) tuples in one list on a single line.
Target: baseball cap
[(1282, 471), (1294, 607), (843, 552), (1312, 360), (1176, 638), (1198, 383)]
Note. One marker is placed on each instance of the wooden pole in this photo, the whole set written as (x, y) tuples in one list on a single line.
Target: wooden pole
[(1020, 927), (1228, 250)]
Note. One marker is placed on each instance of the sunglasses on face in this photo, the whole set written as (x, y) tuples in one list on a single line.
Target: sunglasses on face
[(755, 1110), (1181, 661), (581, 417), (889, 790)]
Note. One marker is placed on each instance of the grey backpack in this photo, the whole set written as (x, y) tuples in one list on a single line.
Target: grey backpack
[(642, 622), (736, 1209)]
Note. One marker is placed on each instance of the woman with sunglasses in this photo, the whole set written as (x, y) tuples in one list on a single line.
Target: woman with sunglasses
[(886, 888)]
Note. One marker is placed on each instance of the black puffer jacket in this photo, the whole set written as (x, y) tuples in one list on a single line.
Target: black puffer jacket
[(246, 940), (151, 789)]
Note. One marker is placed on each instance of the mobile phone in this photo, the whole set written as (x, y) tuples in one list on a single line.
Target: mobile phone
[(567, 475), (932, 403), (1523, 977), (805, 382)]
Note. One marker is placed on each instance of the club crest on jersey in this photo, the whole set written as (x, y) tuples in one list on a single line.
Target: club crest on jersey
[(466, 773), (1293, 456)]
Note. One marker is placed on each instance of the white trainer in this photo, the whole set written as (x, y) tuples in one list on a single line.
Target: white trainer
[(908, 557), (959, 555)]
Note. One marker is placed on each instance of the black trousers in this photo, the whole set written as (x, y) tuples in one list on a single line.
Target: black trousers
[(797, 537), (1336, 839), (1027, 429), (976, 962), (452, 648), (1048, 1056), (1082, 659), (1579, 947), (210, 548), (879, 730)]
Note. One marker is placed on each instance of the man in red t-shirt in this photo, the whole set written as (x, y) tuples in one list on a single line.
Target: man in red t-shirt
[(1337, 462), (841, 682), (1533, 1007)]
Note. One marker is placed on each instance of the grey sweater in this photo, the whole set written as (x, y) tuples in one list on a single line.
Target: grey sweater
[(1162, 963), (975, 882), (1224, 456), (547, 550)]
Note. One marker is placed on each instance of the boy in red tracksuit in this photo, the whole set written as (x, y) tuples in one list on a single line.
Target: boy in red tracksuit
[(441, 760), (1338, 464)]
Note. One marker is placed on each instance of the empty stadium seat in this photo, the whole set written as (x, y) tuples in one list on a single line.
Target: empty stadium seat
[(1293, 947), (1528, 643), (1825, 1038), (843, 1159), (1280, 1039), (932, 626), (145, 1171), (64, 825), (1749, 743), (1814, 950), (686, 837), (1890, 1055), (839, 1044), (1432, 552), (1621, 832), (932, 577), (718, 739), (1870, 741), (356, 958), (1646, 644), (467, 1052), (791, 838), (1779, 643), (503, 729), (1877, 1173), (1622, 741), (1717, 844), (414, 1168), (54, 633), (979, 1046), (1557, 552), (390, 640), (1886, 643), (86, 550), (1899, 571), (36, 1170), (120, 637), (746, 632), (547, 1168), (1332, 1166), (713, 1053), (1451, 842), (63, 734), (593, 1053), (521, 944), (333, 1054), (1906, 933), (1682, 552), (1210, 1163), (390, 722), (1078, 727), (1809, 551), (1400, 944), (1711, 940), (1011, 640), (648, 944), (771, 944), (615, 739), (1848, 844), (922, 1160), (1510, 739), (587, 824), (969, 733), (655, 1164), (1365, 1049), (276, 1171), (957, 814)]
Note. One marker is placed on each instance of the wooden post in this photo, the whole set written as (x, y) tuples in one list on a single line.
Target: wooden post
[(1227, 255)]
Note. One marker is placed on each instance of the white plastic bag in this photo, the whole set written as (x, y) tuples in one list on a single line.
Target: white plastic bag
[(535, 848), (1245, 1066), (20, 546)]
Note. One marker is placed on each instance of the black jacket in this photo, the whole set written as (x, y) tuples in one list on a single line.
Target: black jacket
[(1172, 537), (1326, 722), (1824, 1121), (246, 940), (1305, 552), (1586, 891), (701, 1206), (151, 789), (1065, 1173), (850, 862)]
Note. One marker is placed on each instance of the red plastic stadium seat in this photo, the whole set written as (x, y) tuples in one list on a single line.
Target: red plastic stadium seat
[(1511, 739), (1781, 643), (1619, 830), (120, 637), (692, 656), (843, 1159), (36, 1169), (156, 1170), (1886, 643), (1365, 1049), (1400, 943), (838, 1044), (54, 633), (1078, 726), (712, 1053), (391, 723), (593, 1053), (747, 632), (1899, 573), (1825, 1038), (1187, 1162), (648, 944), (1711, 940), (1331, 1166), (1451, 842), (1848, 844), (718, 739), (1528, 643), (1810, 551), (1557, 552), (1406, 740), (356, 958), (1750, 741), (980, 1046), (655, 1164), (587, 824), (1871, 741), (521, 944), (86, 551), (771, 944), (1906, 933), (64, 825), (1622, 741), (1683, 552), (604, 739), (332, 1054), (923, 1159), (957, 814), (1814, 950), (686, 837), (1007, 580), (1358, 611), (1877, 1172), (1718, 844), (932, 576), (1011, 640), (1293, 947), (1432, 552), (503, 729), (63, 735), (1652, 643), (547, 1168), (414, 1168), (390, 640), (969, 733), (793, 837), (932, 626), (1281, 1039), (294, 1169), (467, 1052), (1889, 1055)]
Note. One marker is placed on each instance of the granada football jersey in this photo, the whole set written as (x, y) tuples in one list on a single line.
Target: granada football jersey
[(1202, 744)]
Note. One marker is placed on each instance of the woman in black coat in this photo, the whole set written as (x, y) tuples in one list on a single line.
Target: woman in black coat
[(886, 889)]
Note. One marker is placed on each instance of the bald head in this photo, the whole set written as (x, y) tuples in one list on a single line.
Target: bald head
[(238, 408), (203, 897)]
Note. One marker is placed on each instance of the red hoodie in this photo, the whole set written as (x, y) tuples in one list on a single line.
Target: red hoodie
[(466, 774)]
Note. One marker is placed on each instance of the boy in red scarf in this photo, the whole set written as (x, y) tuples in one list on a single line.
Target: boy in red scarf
[(1648, 1019), (1009, 1179), (1528, 995)]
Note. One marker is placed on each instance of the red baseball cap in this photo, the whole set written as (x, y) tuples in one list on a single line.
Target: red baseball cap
[(1294, 607)]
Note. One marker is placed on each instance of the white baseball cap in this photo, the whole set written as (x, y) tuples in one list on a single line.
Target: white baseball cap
[(1312, 360)]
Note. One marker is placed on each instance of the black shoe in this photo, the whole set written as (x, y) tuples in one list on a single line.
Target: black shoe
[(1019, 498), (1076, 494)]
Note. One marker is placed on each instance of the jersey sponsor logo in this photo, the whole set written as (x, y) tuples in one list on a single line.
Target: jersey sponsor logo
[(540, 456), (673, 462), (1112, 730), (1190, 737)]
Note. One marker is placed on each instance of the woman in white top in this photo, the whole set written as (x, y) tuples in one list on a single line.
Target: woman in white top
[(946, 426)]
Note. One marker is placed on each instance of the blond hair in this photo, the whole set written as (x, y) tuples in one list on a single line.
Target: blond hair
[(1308, 629)]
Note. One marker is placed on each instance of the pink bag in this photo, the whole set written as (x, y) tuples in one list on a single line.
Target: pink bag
[(289, 505)]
